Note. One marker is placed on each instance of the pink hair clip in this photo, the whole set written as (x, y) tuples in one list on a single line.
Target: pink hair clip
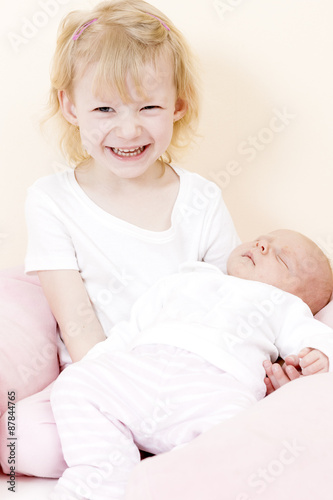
[(160, 20), (77, 34)]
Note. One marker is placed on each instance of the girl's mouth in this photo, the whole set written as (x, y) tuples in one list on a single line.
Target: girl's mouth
[(128, 152)]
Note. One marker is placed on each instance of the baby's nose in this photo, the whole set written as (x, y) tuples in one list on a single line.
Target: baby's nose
[(263, 246)]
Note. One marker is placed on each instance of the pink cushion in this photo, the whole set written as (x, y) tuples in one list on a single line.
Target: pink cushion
[(28, 354), (326, 314)]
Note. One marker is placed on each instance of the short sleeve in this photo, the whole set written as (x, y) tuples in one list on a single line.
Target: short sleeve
[(50, 246), (219, 236)]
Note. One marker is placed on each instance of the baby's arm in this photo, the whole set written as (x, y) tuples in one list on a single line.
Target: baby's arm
[(299, 328), (70, 304)]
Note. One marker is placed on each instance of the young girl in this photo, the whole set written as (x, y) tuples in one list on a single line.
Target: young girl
[(124, 95)]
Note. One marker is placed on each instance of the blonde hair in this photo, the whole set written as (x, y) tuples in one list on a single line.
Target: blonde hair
[(121, 42)]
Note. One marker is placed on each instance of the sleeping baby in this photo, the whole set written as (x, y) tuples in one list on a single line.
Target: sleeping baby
[(190, 355)]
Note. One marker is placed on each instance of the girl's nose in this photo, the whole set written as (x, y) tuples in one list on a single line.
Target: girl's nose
[(128, 127), (263, 246)]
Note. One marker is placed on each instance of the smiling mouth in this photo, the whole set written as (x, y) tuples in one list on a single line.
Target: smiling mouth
[(128, 152)]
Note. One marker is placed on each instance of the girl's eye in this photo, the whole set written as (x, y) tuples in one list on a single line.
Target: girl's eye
[(150, 107), (105, 109)]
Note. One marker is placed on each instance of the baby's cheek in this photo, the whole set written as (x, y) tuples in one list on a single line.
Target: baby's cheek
[(293, 284)]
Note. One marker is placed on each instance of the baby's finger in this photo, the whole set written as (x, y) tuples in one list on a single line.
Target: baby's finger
[(316, 367), (280, 377), (268, 367), (274, 384), (269, 386), (304, 352), (292, 360), (292, 372), (310, 358)]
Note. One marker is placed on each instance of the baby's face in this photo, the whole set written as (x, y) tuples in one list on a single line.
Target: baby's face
[(283, 258)]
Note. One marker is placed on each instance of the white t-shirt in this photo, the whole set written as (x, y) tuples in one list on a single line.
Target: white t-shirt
[(119, 261), (233, 323)]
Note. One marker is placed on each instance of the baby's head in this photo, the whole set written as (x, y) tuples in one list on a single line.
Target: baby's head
[(289, 261), (126, 39)]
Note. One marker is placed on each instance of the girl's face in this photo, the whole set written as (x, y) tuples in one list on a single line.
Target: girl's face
[(126, 138)]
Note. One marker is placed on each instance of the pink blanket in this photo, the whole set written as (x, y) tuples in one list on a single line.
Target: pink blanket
[(282, 448)]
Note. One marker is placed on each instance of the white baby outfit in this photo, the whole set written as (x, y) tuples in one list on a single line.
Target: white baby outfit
[(189, 356)]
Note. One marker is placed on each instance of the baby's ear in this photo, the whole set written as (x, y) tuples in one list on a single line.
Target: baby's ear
[(181, 107), (67, 107)]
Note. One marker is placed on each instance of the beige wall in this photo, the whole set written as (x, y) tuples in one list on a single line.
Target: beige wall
[(266, 120)]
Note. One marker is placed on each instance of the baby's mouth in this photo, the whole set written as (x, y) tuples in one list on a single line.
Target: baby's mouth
[(128, 152), (249, 256)]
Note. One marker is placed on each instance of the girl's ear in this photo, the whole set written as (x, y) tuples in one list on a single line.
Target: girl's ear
[(181, 107), (67, 107)]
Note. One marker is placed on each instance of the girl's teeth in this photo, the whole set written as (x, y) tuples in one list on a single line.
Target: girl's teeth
[(128, 152)]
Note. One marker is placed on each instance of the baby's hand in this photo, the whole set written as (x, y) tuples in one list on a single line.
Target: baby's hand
[(313, 361), (277, 375)]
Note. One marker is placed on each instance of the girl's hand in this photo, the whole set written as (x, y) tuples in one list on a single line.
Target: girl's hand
[(313, 361)]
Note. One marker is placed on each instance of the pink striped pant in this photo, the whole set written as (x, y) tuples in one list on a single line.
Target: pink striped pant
[(152, 398)]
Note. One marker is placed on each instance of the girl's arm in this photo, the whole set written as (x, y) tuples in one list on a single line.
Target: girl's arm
[(70, 304)]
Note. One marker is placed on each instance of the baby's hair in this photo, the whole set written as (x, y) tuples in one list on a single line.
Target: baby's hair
[(126, 36), (326, 284), (320, 278)]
